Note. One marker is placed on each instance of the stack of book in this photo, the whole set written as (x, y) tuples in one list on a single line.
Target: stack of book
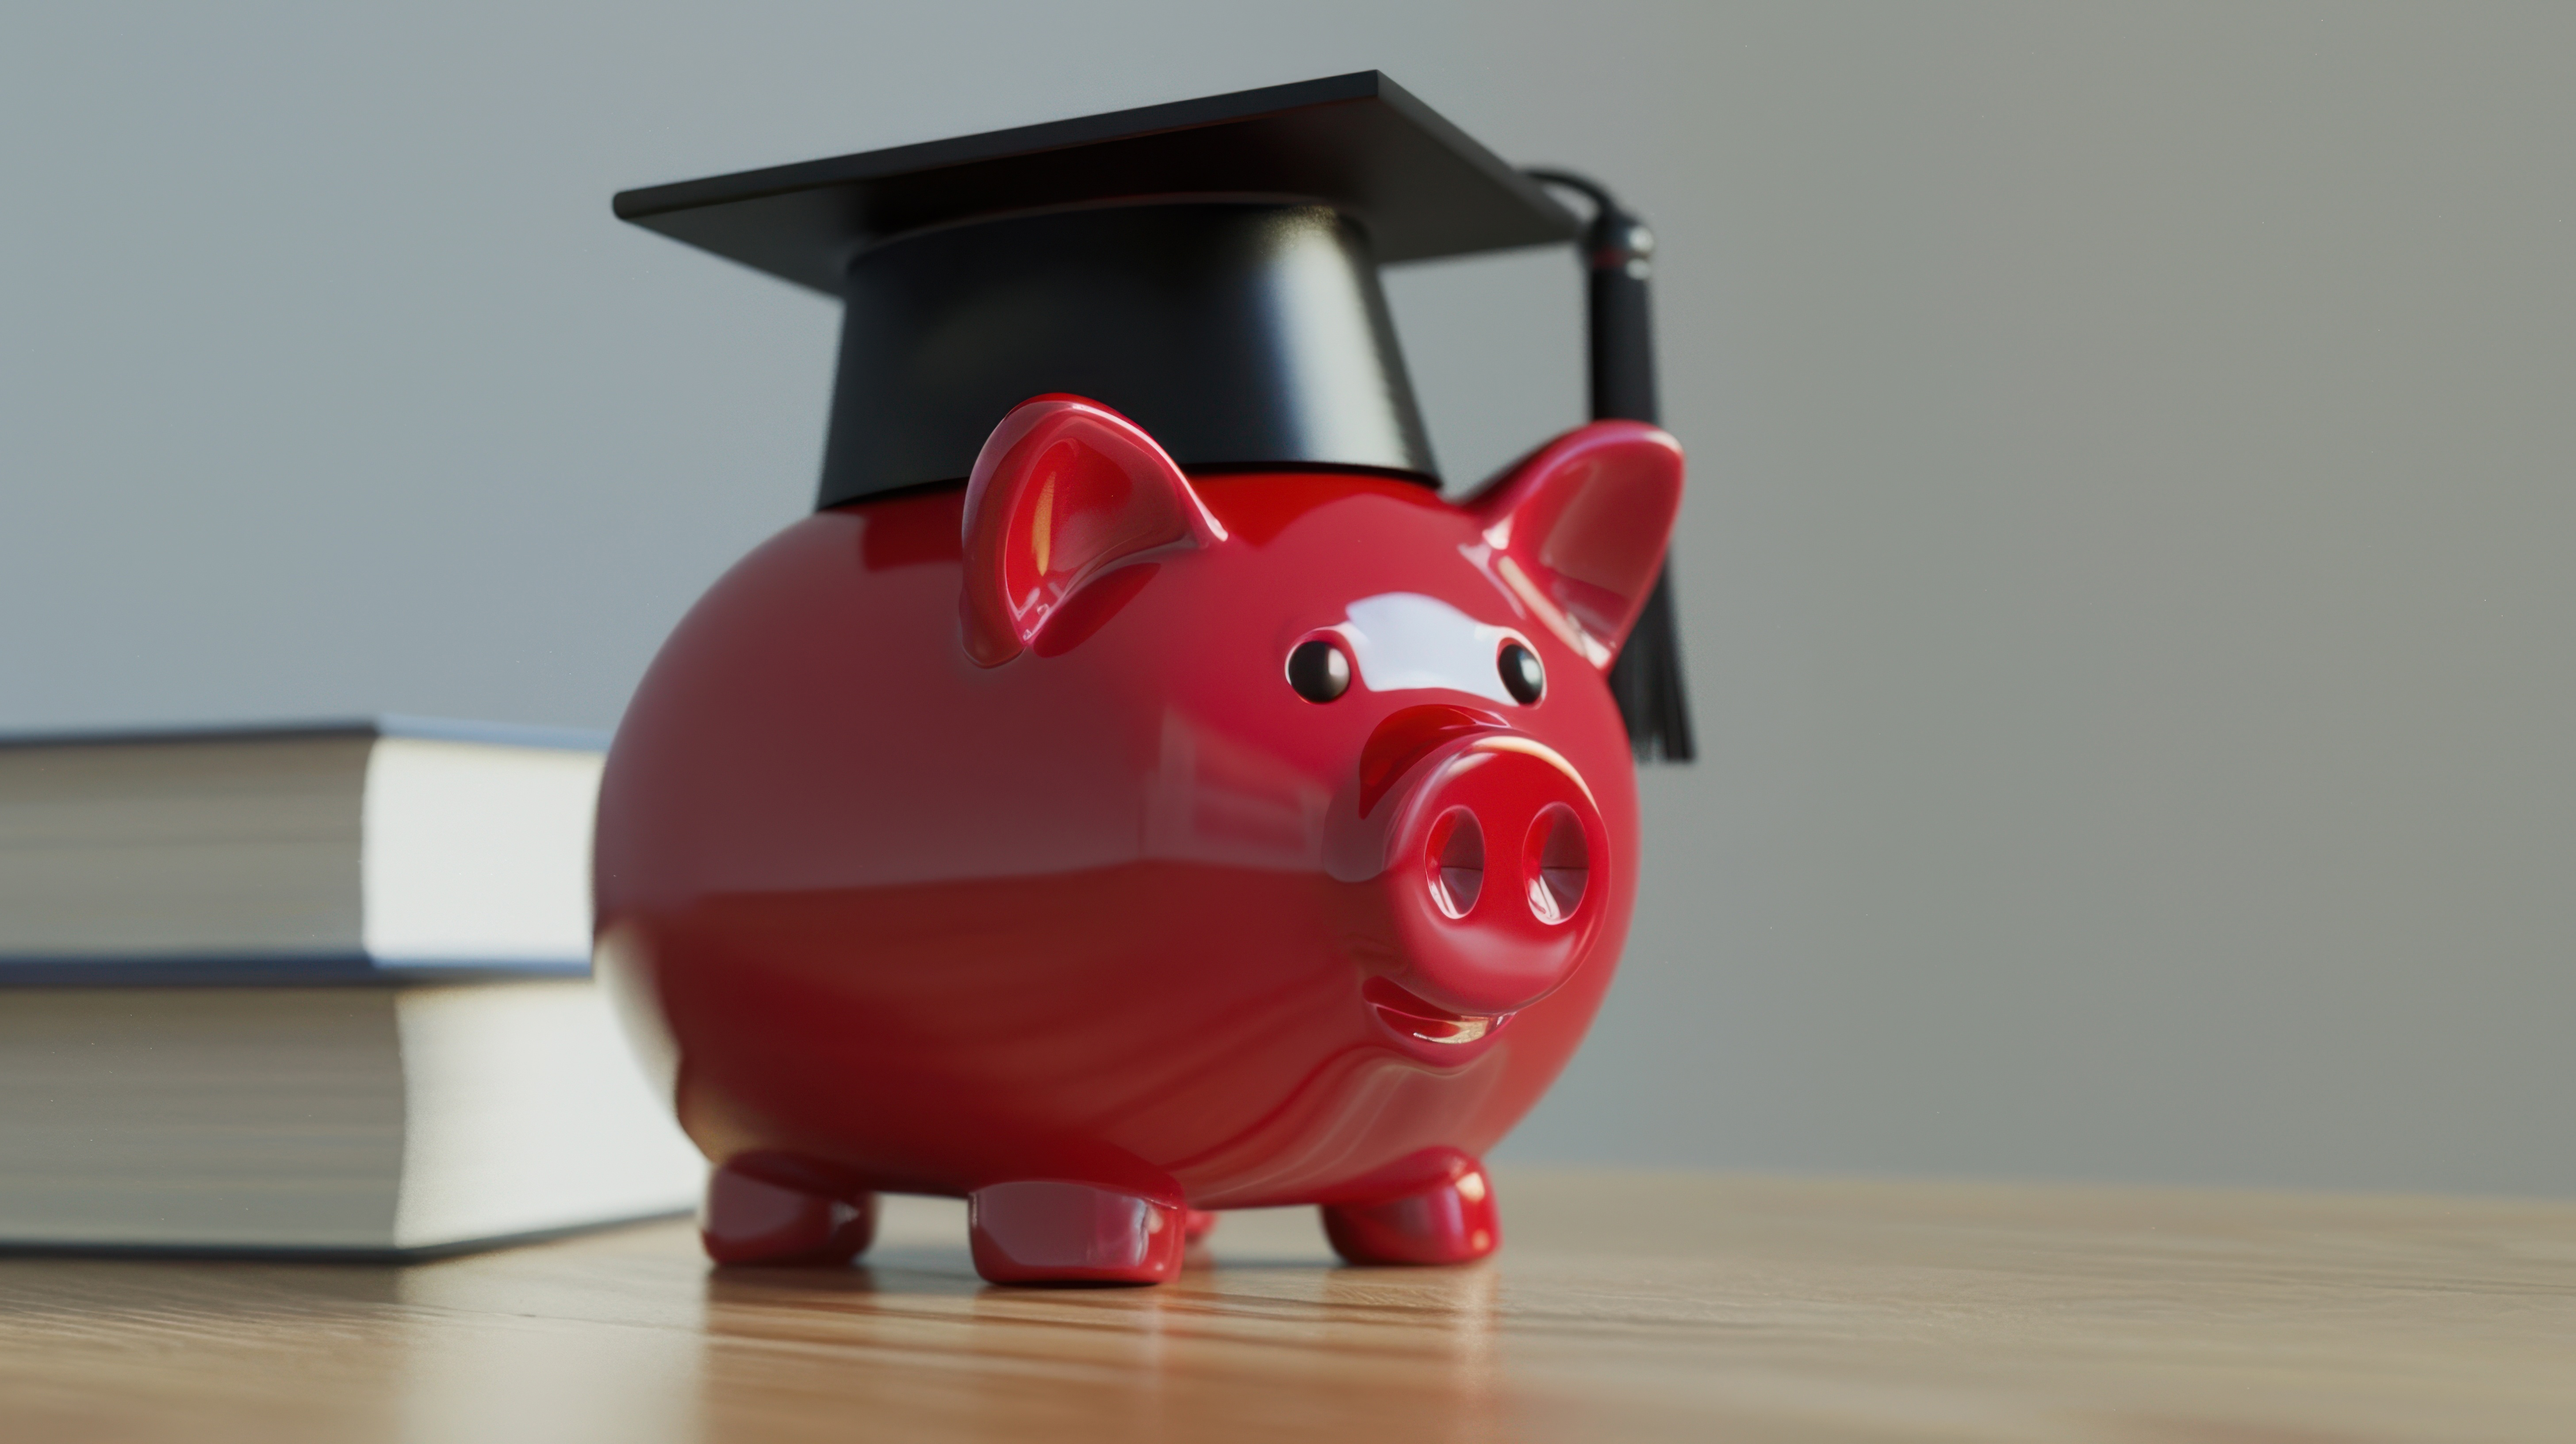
[(319, 988)]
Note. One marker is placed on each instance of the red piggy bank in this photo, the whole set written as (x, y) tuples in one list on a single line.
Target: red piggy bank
[(1107, 846)]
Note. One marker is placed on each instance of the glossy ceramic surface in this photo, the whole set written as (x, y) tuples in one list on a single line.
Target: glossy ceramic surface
[(958, 841)]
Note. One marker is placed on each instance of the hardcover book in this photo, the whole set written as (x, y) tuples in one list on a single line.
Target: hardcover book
[(389, 847)]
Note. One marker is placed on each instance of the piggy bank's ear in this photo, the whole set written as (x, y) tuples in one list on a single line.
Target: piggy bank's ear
[(1064, 490), (1577, 531)]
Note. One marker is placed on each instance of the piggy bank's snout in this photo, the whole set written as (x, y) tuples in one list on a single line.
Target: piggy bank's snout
[(1495, 869)]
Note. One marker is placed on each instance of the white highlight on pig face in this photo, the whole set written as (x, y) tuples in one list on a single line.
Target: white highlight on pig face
[(1404, 640)]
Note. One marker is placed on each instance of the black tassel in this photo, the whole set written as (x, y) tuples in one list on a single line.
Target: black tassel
[(1646, 679)]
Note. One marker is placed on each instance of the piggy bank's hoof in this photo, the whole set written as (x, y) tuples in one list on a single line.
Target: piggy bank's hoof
[(1072, 1233), (1196, 1224), (1452, 1222), (749, 1221)]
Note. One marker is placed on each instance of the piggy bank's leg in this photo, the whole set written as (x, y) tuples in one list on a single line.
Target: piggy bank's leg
[(748, 1220), (1450, 1222), (1196, 1224), (1050, 1232)]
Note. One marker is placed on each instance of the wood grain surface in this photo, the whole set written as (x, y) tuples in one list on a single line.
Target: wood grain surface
[(1624, 1306)]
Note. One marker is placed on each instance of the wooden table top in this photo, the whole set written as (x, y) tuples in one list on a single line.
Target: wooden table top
[(1623, 1306)]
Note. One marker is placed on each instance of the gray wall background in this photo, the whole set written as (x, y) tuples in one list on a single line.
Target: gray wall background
[(2126, 580)]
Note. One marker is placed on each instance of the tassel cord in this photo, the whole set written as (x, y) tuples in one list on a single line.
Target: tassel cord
[(1646, 679)]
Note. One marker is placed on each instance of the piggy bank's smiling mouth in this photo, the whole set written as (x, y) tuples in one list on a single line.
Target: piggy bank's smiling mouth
[(1416, 1019)]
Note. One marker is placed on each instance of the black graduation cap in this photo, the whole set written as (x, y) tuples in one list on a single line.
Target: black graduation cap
[(1208, 267)]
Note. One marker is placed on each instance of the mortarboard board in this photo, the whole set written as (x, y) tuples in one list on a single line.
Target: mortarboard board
[(1207, 267)]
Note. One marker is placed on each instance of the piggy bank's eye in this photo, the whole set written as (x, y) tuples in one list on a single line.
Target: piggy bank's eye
[(1523, 677), (1319, 671)]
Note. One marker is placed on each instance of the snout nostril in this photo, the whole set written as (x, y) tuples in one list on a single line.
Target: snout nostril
[(1457, 858), (1559, 865)]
